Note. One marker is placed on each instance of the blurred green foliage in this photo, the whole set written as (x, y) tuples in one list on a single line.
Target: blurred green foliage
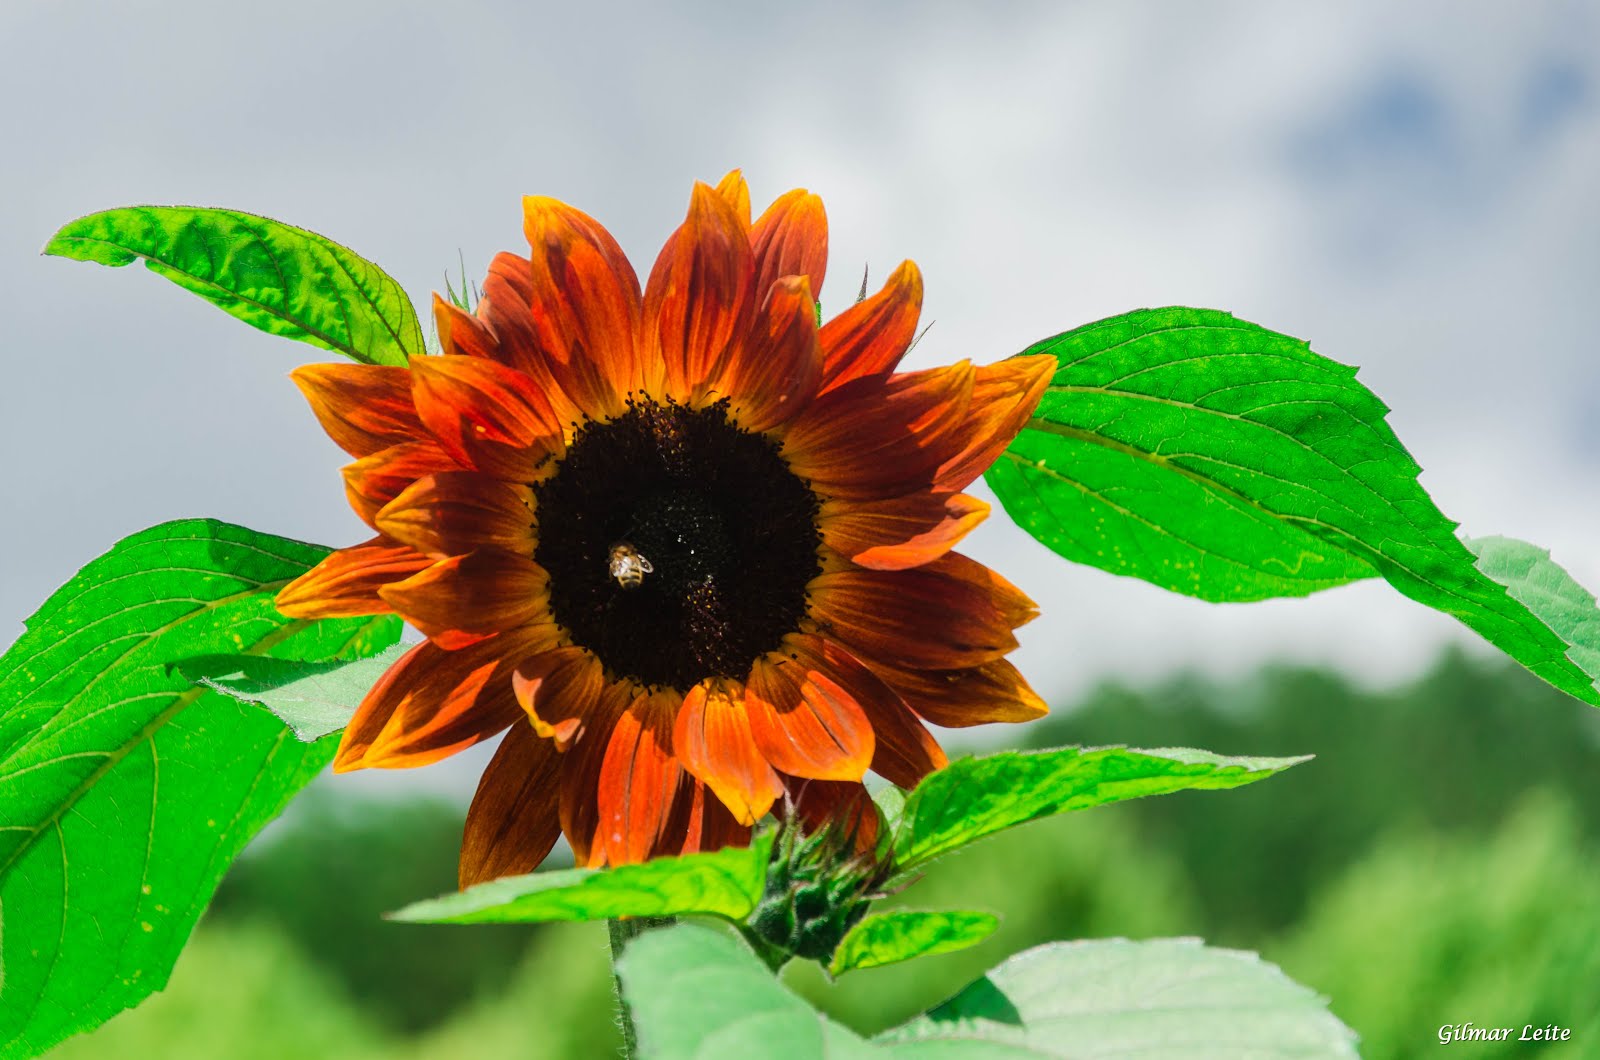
[(1439, 863)]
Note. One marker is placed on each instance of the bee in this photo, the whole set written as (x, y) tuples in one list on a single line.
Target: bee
[(627, 566)]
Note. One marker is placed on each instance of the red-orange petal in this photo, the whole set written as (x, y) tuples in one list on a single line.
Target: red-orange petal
[(947, 614), (513, 820), (712, 738), (1004, 395), (432, 703), (869, 338), (452, 513), (736, 192), (483, 592), (559, 690), (375, 480), (580, 775), (585, 306), (804, 716), (791, 239), (490, 418), (697, 301), (901, 532), (363, 407), (502, 330), (346, 582), (710, 826), (904, 751), (773, 374), (993, 692), (638, 783), (878, 438)]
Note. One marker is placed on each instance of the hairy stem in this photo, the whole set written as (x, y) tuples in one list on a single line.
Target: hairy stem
[(622, 931)]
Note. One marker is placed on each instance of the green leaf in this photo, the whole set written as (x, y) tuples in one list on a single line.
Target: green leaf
[(313, 698), (1215, 458), (1536, 582), (125, 789), (974, 797), (1115, 998), (725, 883), (697, 993), (284, 280), (885, 938)]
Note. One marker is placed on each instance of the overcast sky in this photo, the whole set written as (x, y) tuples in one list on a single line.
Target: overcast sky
[(1410, 187)]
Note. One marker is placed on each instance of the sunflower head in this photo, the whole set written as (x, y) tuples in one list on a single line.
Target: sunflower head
[(687, 547)]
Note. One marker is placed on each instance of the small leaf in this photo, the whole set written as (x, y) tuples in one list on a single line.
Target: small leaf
[(1113, 998), (1215, 458), (313, 698), (886, 938), (125, 789), (725, 883), (1538, 583), (974, 797), (696, 993), (284, 280)]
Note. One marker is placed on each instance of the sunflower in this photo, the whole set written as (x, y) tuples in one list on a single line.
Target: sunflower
[(690, 548)]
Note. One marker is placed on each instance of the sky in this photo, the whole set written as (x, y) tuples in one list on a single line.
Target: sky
[(1409, 187)]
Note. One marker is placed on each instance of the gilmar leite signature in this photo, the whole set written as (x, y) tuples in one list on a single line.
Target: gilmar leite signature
[(1466, 1032)]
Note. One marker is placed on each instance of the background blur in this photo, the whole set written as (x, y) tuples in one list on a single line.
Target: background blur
[(1411, 188)]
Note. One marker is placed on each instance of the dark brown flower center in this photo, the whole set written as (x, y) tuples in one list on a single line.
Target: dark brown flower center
[(679, 545)]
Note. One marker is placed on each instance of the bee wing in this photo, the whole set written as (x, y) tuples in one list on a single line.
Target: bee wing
[(645, 566)]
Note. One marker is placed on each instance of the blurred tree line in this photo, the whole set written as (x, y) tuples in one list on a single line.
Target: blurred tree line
[(1438, 863)]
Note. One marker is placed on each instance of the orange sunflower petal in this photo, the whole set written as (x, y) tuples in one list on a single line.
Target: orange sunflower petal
[(712, 738), (452, 513), (638, 783), (902, 532), (580, 775), (870, 337), (432, 703), (993, 692), (804, 715), (904, 751), (363, 407), (490, 418), (513, 821), (346, 582), (773, 374), (711, 826), (482, 592), (791, 239), (873, 439), (736, 192), (559, 690), (697, 300), (375, 480), (1004, 395), (947, 614), (585, 307)]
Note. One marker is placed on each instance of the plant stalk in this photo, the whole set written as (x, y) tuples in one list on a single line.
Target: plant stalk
[(621, 931)]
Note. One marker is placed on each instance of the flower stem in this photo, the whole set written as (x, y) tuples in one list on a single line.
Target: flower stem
[(622, 931)]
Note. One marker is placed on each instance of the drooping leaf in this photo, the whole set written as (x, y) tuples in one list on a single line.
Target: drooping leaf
[(1538, 583), (1115, 998), (696, 993), (313, 698), (725, 883), (284, 280), (1213, 457), (974, 797), (886, 938), (125, 789)]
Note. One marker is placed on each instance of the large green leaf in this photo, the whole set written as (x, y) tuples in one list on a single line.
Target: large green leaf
[(887, 938), (1115, 998), (281, 279), (1216, 458), (1538, 583), (725, 883), (974, 797), (314, 698), (696, 993), (126, 789)]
